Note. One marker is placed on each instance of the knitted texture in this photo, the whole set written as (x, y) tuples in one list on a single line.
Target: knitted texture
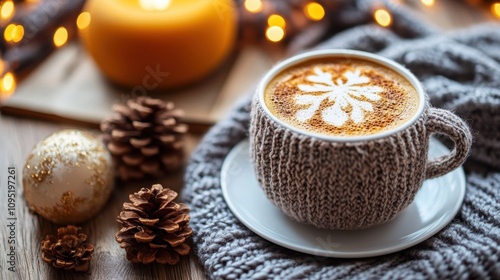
[(443, 122), (461, 72), (349, 185)]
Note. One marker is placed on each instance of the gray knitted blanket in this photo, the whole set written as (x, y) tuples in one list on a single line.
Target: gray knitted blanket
[(460, 72)]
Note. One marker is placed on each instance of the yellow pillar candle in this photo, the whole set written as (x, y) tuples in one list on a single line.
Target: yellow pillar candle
[(153, 44)]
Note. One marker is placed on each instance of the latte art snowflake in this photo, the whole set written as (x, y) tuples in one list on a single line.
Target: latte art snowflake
[(341, 94)]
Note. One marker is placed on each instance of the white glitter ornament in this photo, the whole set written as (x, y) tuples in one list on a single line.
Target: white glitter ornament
[(68, 177)]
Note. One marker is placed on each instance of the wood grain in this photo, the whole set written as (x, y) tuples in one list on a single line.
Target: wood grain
[(17, 138)]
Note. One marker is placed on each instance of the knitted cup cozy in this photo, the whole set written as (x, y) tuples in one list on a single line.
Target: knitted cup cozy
[(350, 185)]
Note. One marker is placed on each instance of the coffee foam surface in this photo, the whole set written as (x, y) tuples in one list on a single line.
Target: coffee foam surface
[(341, 97)]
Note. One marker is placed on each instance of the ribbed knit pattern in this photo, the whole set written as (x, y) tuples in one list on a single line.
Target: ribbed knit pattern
[(460, 71), (444, 122), (349, 185)]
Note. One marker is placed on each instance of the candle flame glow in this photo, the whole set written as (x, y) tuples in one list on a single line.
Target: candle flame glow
[(60, 37), (154, 5), (253, 6), (7, 10), (495, 9), (382, 17), (428, 3), (276, 20), (275, 34), (7, 85), (83, 20), (13, 33)]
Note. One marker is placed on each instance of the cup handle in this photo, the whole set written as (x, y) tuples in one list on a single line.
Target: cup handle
[(447, 123)]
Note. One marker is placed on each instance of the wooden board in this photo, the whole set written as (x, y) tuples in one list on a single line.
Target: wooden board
[(68, 87)]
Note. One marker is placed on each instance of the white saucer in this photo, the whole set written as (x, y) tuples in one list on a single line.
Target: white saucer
[(435, 205)]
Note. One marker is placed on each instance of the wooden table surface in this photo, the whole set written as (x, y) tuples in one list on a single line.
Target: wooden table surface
[(17, 138)]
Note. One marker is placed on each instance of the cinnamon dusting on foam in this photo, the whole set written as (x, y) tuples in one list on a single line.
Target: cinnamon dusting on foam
[(392, 103)]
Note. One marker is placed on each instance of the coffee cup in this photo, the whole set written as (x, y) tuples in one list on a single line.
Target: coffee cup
[(339, 138)]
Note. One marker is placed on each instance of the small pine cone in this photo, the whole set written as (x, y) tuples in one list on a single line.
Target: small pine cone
[(145, 137), (68, 250), (155, 228)]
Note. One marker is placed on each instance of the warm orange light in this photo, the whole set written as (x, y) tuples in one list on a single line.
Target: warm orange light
[(7, 10), (7, 33), (83, 20), (7, 84), (253, 6), (60, 36), (495, 9), (275, 34), (428, 3), (276, 20), (13, 33), (18, 33), (314, 11), (154, 5), (382, 17)]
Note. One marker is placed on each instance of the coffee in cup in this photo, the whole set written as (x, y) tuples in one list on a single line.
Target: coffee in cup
[(339, 138), (341, 97)]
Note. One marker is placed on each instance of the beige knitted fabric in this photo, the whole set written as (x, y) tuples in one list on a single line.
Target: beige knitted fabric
[(350, 185), (441, 121)]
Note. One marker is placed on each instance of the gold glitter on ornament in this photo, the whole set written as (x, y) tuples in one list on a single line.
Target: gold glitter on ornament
[(42, 170), (68, 177)]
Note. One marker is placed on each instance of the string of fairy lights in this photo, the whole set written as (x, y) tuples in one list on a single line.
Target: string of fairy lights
[(274, 21), (29, 31), (277, 29)]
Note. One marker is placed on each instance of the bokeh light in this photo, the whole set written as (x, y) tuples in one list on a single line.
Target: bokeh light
[(60, 36), (7, 84), (382, 17), (314, 11), (7, 10), (13, 33), (253, 6), (276, 20), (7, 33), (18, 33), (428, 3), (83, 20), (275, 34), (495, 9)]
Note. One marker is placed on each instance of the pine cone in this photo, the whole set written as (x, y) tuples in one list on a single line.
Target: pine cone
[(145, 137), (154, 227), (69, 250)]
